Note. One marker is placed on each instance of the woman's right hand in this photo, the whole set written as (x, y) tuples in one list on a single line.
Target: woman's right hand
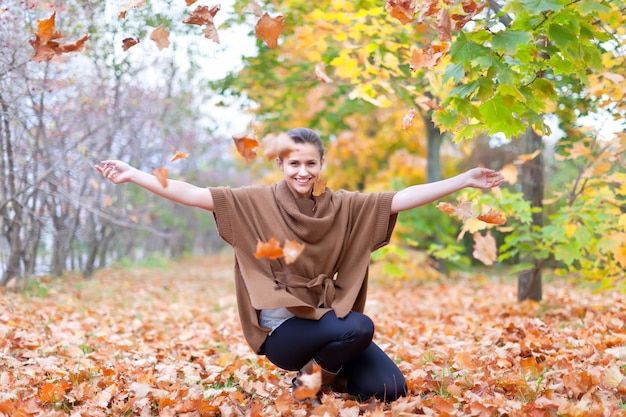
[(117, 172)]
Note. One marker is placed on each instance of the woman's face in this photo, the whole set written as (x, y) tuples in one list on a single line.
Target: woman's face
[(301, 168)]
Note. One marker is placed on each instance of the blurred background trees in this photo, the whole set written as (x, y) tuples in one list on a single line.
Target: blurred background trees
[(511, 91)]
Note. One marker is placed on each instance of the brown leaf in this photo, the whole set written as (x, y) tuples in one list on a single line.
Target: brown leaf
[(161, 175), (254, 7), (485, 249), (246, 145), (160, 36), (276, 145), (128, 43), (407, 120), (320, 73), (464, 210), (270, 249), (423, 59), (268, 29), (202, 15), (179, 155), (444, 26), (130, 4)]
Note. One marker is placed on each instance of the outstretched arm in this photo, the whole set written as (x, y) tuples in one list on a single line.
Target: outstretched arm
[(119, 172), (418, 195)]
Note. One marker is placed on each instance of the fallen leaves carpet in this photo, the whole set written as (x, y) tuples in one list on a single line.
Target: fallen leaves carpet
[(167, 342)]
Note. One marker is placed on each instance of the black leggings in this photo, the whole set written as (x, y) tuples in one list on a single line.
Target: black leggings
[(338, 344)]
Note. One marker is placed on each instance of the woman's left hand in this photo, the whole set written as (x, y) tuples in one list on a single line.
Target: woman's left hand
[(483, 178)]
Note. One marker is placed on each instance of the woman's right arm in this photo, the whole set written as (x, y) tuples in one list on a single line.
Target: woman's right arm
[(119, 172)]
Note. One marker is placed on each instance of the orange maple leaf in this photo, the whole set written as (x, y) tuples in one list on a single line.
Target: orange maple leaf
[(407, 120), (45, 44), (308, 384), (246, 145), (463, 210), (492, 217), (179, 155), (403, 10), (53, 392), (485, 248), (160, 36), (268, 29), (424, 59), (128, 43), (161, 175), (319, 187), (270, 249), (292, 250)]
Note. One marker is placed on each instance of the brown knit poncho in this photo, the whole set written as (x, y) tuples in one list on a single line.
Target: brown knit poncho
[(339, 230)]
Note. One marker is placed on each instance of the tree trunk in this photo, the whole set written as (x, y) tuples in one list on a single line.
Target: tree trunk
[(435, 138), (529, 281)]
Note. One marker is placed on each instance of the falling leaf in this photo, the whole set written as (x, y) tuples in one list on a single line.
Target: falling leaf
[(276, 145), (179, 155), (268, 29), (320, 73), (492, 217), (403, 10), (510, 174), (161, 175), (522, 159), (202, 15), (464, 210), (128, 43), (270, 249), (254, 7), (407, 120), (160, 36), (190, 2), (319, 187), (309, 384), (427, 103), (423, 59), (210, 32), (485, 248), (130, 4), (292, 250), (246, 145), (45, 44)]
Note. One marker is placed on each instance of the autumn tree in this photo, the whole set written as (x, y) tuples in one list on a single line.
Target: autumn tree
[(64, 111), (489, 70)]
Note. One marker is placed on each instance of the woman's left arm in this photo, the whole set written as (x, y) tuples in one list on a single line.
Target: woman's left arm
[(418, 195)]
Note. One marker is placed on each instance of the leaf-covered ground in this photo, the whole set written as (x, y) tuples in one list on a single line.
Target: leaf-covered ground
[(167, 342)]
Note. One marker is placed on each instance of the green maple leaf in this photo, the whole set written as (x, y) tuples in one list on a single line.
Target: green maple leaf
[(539, 6), (498, 116)]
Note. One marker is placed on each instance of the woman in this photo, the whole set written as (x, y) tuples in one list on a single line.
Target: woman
[(307, 315)]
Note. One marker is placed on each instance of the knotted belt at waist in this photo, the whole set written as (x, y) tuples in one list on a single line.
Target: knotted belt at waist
[(321, 289)]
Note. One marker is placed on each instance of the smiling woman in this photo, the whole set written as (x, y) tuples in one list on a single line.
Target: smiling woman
[(306, 313)]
